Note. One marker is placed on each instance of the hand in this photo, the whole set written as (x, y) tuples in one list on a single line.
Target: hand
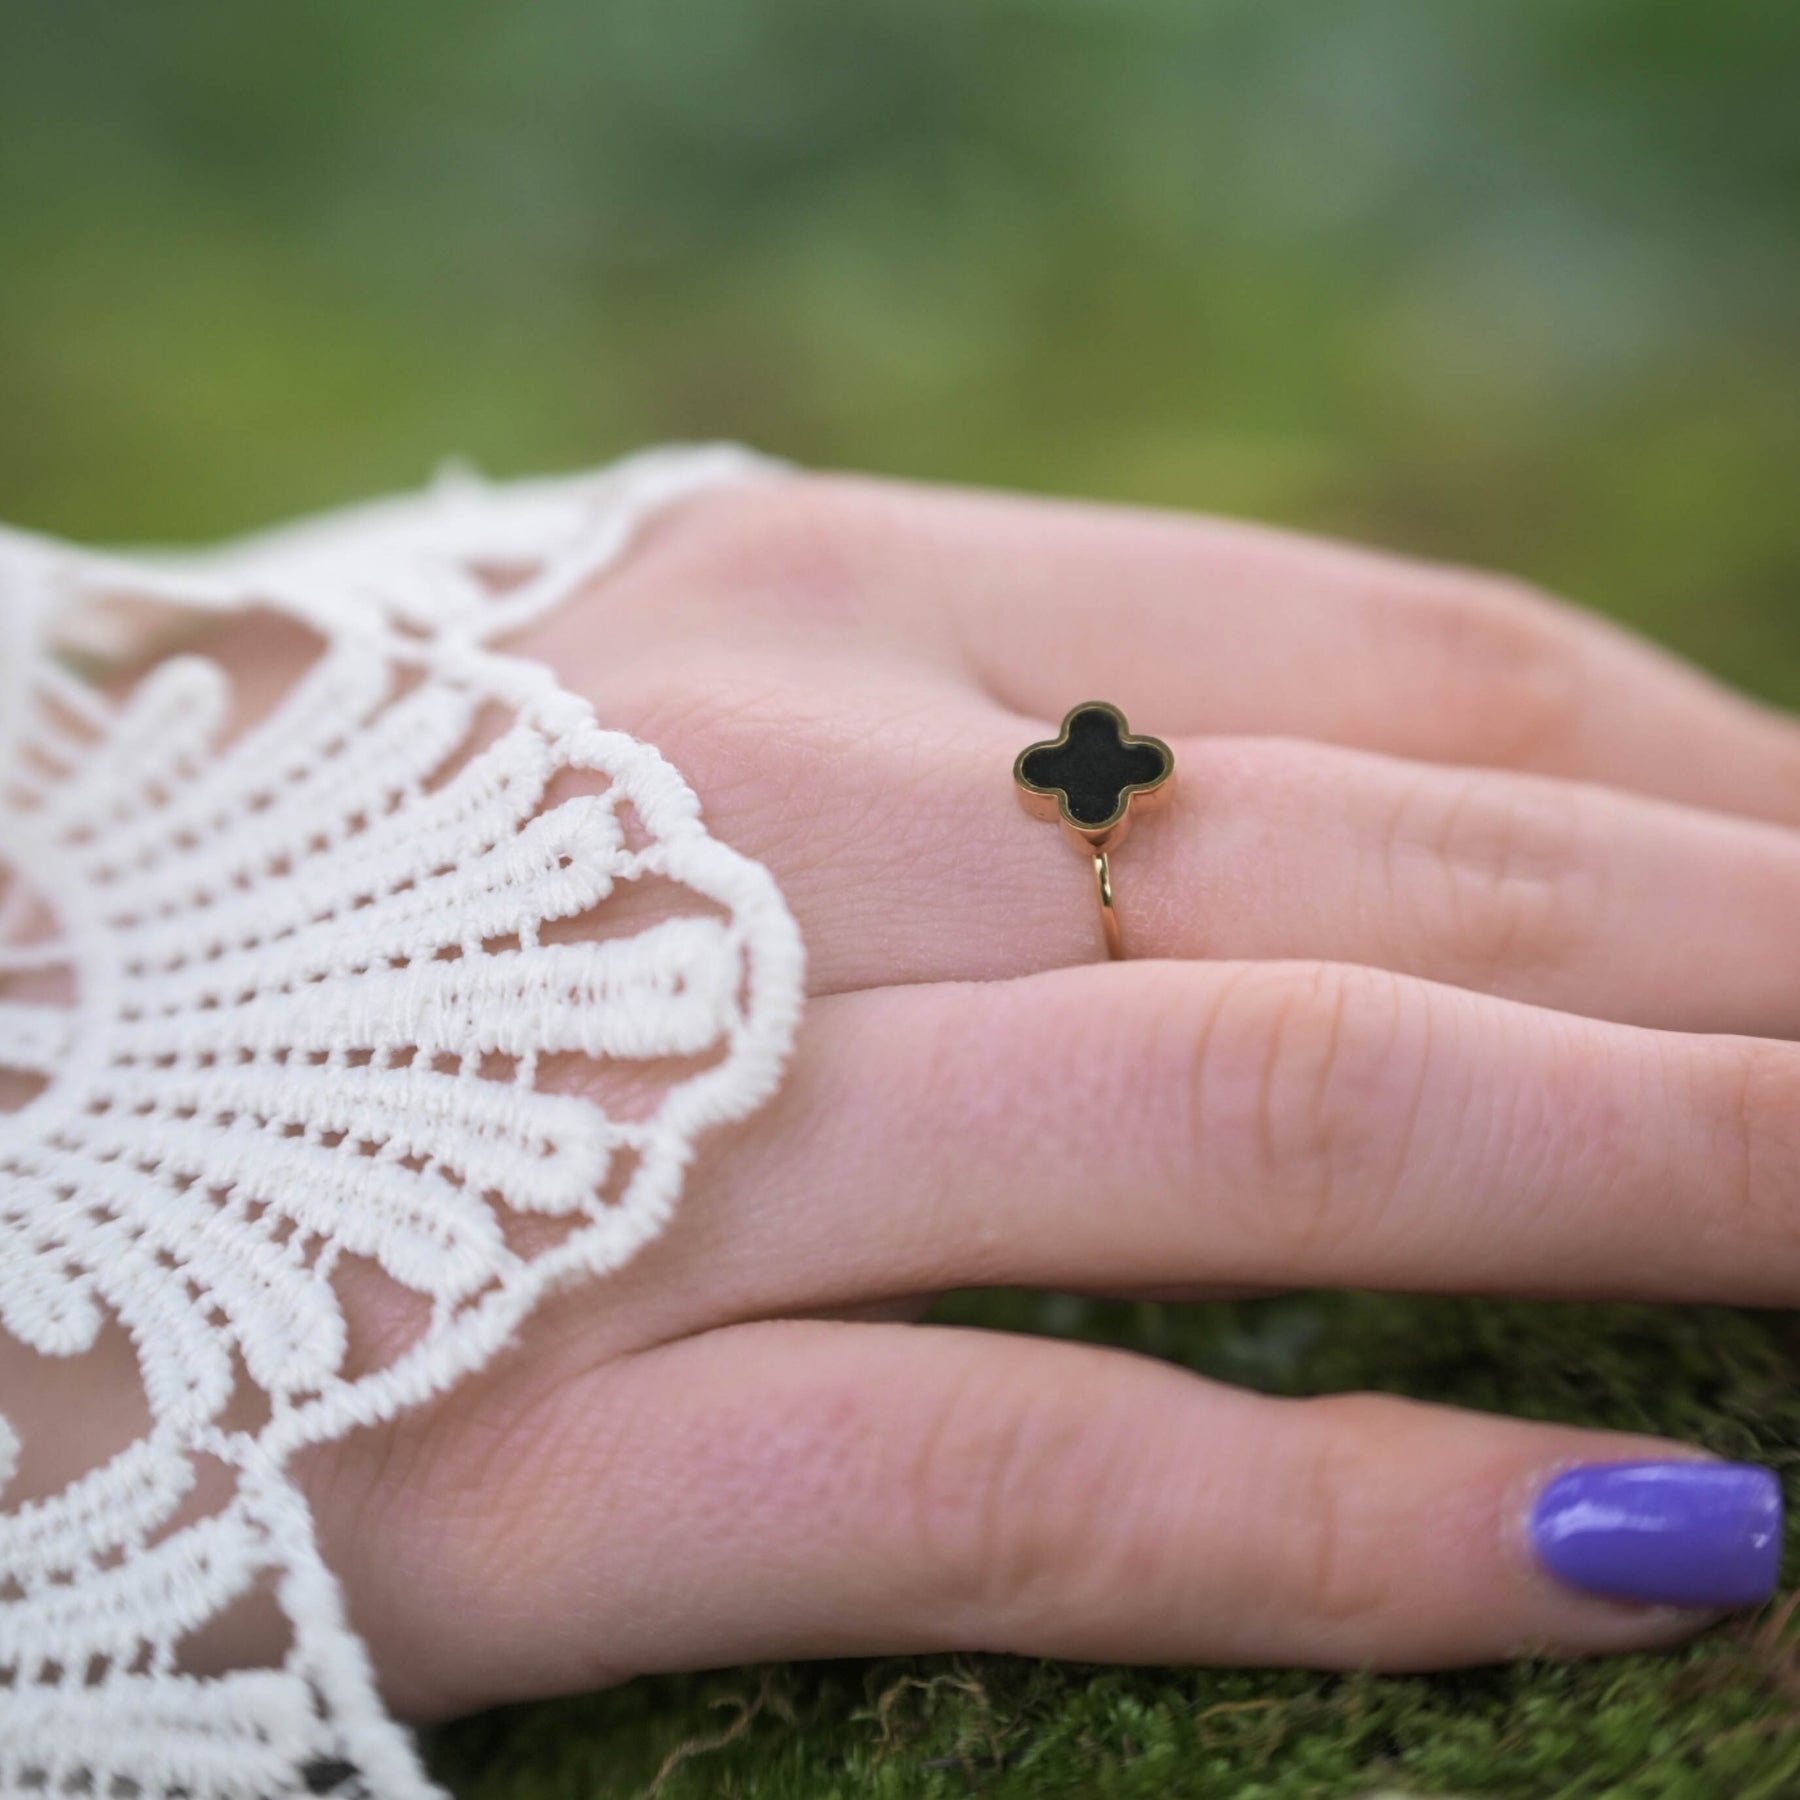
[(1460, 960)]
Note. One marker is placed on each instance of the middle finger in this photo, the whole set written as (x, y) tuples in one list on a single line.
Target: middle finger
[(1180, 1128)]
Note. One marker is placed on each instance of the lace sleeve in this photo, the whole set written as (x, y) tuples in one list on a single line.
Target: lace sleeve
[(276, 1005)]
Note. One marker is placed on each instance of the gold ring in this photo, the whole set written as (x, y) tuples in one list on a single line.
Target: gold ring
[(1090, 776)]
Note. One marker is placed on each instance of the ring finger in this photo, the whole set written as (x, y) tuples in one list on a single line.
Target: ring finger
[(907, 858)]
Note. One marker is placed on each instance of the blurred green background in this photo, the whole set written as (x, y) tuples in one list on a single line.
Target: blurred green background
[(1512, 282), (1515, 282)]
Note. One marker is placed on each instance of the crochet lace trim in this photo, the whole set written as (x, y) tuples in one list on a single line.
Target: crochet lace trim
[(274, 1009)]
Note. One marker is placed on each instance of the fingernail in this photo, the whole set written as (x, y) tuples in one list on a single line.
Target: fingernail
[(1668, 1533)]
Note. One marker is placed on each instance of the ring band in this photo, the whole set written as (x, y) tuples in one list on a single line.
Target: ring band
[(1109, 919), (1089, 777)]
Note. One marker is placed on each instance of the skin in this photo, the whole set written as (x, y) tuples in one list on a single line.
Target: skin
[(1458, 964)]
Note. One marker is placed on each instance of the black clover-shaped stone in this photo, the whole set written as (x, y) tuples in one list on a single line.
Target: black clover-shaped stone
[(1093, 768)]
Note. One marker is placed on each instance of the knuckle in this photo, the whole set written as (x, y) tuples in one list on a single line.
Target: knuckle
[(801, 546), (1511, 884), (1503, 668), (1298, 1083), (1756, 1105), (405, 1512), (1332, 1570), (1009, 1499)]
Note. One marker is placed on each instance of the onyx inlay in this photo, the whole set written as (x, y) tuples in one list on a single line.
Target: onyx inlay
[(1095, 765)]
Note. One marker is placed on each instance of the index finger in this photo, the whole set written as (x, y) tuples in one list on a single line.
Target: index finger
[(801, 1487)]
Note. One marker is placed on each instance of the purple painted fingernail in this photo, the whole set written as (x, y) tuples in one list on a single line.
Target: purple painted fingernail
[(1678, 1533)]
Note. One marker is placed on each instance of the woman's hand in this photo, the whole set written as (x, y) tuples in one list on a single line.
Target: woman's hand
[(1461, 958)]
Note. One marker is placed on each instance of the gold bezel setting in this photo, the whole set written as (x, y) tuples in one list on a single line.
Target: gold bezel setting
[(1097, 837), (1052, 802)]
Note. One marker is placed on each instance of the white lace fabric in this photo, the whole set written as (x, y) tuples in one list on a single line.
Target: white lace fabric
[(276, 1006)]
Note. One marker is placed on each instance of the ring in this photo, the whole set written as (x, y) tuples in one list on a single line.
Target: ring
[(1089, 776)]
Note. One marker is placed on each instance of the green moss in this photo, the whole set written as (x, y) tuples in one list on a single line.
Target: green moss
[(1719, 1718)]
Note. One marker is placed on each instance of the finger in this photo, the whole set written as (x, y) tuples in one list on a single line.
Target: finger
[(886, 809), (1195, 624), (808, 1489), (1559, 893), (1192, 1127), (884, 804)]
